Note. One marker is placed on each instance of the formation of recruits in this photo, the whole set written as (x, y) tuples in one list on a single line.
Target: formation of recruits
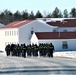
[(29, 50)]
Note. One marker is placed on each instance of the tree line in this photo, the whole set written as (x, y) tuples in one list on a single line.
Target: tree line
[(7, 16)]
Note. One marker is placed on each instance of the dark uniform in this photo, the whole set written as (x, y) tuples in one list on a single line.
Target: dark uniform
[(32, 50), (12, 49), (40, 49), (35, 50), (28, 50), (7, 49), (44, 49), (51, 49), (24, 51), (18, 50), (15, 50)]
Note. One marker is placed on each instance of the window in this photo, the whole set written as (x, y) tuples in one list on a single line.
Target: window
[(54, 30), (65, 31), (32, 32), (5, 33), (75, 30), (10, 33), (64, 45), (14, 32)]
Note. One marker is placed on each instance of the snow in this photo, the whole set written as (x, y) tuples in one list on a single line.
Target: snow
[(47, 24), (53, 19), (69, 54), (1, 25), (2, 53)]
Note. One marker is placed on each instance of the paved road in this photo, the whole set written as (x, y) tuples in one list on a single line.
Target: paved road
[(37, 66)]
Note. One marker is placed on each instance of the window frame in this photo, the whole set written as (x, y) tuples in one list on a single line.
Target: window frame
[(64, 45)]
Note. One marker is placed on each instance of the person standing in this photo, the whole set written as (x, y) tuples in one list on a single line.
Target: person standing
[(12, 49), (18, 50), (28, 51), (51, 49), (24, 50), (7, 49)]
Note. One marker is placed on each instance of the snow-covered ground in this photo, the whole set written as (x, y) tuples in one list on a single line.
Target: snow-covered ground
[(69, 54), (2, 53)]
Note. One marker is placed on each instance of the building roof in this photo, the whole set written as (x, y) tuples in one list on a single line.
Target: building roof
[(57, 22), (63, 23), (17, 24), (56, 35)]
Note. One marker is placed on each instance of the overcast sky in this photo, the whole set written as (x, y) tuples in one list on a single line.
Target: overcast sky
[(34, 5)]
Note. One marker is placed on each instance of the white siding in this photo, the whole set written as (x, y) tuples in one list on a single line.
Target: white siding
[(8, 36), (2, 40), (25, 31), (58, 43), (34, 39)]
